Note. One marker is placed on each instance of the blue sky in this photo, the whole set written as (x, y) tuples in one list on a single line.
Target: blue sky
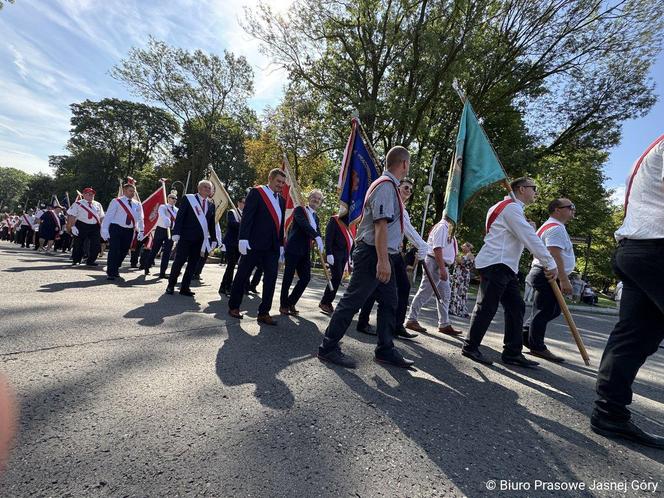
[(55, 53)]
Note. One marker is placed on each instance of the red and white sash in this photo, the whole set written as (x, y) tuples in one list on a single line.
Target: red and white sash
[(545, 227), (495, 211), (56, 218), (344, 230), (27, 220), (270, 208), (202, 220), (91, 214), (171, 215), (130, 215), (374, 186)]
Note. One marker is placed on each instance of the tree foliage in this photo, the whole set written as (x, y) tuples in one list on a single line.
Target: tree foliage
[(13, 187)]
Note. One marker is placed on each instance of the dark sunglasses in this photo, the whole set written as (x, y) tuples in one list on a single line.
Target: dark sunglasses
[(571, 207), (407, 187)]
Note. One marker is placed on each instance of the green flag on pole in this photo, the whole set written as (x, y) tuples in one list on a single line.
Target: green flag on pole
[(475, 166)]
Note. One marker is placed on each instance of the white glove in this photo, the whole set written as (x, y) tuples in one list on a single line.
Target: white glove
[(319, 242), (422, 252), (175, 238), (223, 247), (330, 259), (105, 235), (282, 255), (140, 236), (243, 246), (74, 231)]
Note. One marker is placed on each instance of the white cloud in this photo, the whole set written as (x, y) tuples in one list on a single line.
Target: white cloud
[(618, 195)]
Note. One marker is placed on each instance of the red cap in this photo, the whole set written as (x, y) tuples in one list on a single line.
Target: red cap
[(89, 190)]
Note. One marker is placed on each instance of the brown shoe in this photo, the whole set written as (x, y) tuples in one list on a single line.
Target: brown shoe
[(547, 355), (414, 325), (293, 311), (449, 330), (326, 308), (266, 319), (284, 310), (235, 313)]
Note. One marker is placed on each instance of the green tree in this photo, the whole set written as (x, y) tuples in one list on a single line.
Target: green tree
[(2, 3), (13, 188)]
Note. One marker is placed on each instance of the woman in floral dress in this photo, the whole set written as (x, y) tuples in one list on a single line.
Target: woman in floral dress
[(461, 281)]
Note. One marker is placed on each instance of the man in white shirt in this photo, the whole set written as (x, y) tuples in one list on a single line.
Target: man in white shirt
[(84, 219), (162, 235), (545, 305), (441, 254), (25, 234), (507, 232), (638, 262), (124, 216)]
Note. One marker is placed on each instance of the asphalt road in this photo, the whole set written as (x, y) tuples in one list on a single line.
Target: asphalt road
[(126, 391)]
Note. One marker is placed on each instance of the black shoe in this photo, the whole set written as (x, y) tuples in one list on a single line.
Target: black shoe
[(187, 292), (338, 358), (402, 333), (146, 271), (625, 430), (476, 355), (365, 328), (519, 360), (170, 290), (395, 359), (110, 277), (163, 275)]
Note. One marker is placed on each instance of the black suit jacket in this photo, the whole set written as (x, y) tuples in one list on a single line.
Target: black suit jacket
[(232, 230), (335, 241), (187, 225), (301, 233), (257, 225)]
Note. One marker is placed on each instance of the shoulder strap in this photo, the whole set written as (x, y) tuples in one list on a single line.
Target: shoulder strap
[(130, 215), (497, 210), (545, 227)]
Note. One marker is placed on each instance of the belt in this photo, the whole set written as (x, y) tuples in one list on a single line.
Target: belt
[(642, 242)]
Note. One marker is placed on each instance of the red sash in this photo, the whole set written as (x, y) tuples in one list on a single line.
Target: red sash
[(373, 187), (346, 234), (545, 227), (27, 220), (56, 219), (637, 166), (130, 215), (91, 214), (171, 216), (270, 208), (494, 214)]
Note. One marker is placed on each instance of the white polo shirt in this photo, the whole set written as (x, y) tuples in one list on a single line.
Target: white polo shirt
[(555, 235), (509, 233), (166, 211), (80, 211), (439, 238), (644, 198)]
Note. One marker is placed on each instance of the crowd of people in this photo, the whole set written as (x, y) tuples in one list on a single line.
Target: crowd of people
[(256, 241)]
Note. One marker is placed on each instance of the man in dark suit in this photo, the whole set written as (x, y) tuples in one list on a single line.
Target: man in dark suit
[(303, 230), (338, 247), (233, 218), (260, 242), (195, 234)]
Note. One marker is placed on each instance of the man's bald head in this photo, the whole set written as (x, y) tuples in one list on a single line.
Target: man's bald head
[(397, 161)]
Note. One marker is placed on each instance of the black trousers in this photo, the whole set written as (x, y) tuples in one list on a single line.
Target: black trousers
[(269, 261), (89, 233), (640, 327), (140, 255), (363, 283), (119, 242), (301, 265), (25, 236), (498, 284), (403, 293), (545, 308), (189, 251), (160, 241), (232, 257), (337, 273)]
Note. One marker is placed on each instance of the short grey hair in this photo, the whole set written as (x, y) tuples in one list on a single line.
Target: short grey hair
[(316, 191), (205, 182)]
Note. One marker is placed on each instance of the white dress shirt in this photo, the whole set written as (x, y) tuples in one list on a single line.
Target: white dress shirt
[(644, 198), (274, 199), (78, 210), (439, 238), (411, 234), (165, 213), (118, 216), (557, 236), (508, 235), (310, 215)]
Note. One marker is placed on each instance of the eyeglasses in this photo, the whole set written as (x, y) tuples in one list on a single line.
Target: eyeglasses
[(571, 207), (407, 188), (534, 187)]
